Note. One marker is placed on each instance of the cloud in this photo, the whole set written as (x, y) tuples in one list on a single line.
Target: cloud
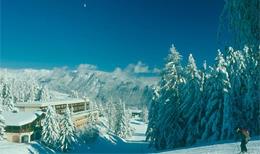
[(156, 70), (141, 68), (137, 68)]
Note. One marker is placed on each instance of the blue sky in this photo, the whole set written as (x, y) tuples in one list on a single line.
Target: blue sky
[(106, 33)]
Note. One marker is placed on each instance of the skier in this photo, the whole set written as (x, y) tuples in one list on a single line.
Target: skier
[(244, 134)]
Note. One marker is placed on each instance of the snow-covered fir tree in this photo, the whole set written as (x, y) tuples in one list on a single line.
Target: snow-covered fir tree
[(26, 90), (111, 114), (43, 94), (23, 89), (218, 106), (251, 105), (50, 128), (191, 102), (204, 76), (2, 122), (152, 128), (8, 102), (241, 19), (122, 124), (144, 114), (236, 69), (192, 105), (170, 125), (32, 91), (68, 136)]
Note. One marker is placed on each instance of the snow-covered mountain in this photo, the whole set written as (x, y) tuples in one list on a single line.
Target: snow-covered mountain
[(98, 85)]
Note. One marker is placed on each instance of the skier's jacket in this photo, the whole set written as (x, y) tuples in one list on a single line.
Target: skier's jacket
[(245, 134)]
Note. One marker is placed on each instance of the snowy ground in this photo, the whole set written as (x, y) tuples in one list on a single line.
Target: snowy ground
[(107, 143), (227, 148), (135, 144), (22, 148)]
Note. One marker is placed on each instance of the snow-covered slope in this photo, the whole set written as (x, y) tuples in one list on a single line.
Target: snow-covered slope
[(137, 144), (225, 148), (108, 143)]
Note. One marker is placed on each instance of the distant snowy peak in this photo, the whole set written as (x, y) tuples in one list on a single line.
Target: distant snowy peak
[(103, 86), (98, 85)]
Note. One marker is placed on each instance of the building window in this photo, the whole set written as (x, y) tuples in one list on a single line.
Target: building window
[(25, 139), (77, 107)]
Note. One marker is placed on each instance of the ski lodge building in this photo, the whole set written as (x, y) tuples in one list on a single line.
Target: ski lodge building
[(22, 127), (25, 126)]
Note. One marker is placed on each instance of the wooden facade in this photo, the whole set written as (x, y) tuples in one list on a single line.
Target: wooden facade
[(76, 107)]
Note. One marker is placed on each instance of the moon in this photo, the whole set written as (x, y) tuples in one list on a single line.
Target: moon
[(85, 5)]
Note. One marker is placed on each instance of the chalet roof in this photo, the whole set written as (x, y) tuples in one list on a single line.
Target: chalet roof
[(20, 118), (47, 103)]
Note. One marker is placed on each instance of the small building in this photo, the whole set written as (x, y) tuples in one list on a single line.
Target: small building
[(22, 127)]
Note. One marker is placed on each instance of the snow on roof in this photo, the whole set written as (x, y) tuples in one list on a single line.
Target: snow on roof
[(20, 118), (52, 102), (135, 111)]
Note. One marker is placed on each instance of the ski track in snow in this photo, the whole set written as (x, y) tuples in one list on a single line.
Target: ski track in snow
[(135, 144)]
